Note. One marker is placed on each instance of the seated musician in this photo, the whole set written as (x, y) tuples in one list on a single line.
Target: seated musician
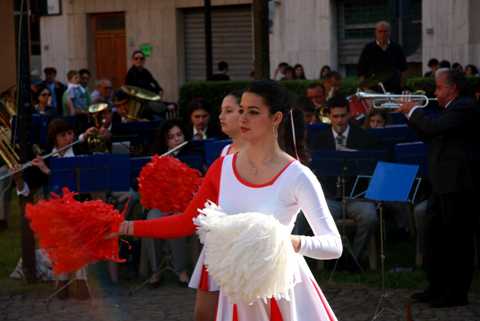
[(201, 125), (60, 134), (120, 107), (316, 94), (341, 136), (170, 135), (377, 118)]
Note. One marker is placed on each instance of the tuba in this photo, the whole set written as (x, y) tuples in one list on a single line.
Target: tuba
[(139, 98)]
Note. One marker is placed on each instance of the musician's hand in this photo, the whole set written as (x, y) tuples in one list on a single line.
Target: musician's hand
[(296, 243), (105, 133), (91, 131), (406, 107), (40, 163), (18, 176)]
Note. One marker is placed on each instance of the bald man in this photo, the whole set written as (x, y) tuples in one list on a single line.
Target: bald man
[(383, 60)]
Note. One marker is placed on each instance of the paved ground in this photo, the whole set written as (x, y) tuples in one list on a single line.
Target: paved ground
[(172, 303)]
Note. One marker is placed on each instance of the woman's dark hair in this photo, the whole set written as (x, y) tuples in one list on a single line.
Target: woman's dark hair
[(136, 52), (444, 64), (237, 94), (196, 104), (278, 99), (374, 112), (36, 94), (57, 126), (474, 69), (291, 70), (302, 76), (159, 145), (322, 71)]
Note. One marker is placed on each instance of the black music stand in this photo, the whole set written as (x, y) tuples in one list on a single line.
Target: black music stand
[(342, 164), (390, 183)]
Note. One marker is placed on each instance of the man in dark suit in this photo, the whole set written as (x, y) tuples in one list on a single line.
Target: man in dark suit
[(453, 160), (201, 125), (340, 135)]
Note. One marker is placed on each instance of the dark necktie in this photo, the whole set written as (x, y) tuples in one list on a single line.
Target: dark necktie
[(340, 139)]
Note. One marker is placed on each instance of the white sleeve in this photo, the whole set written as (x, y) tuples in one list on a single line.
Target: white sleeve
[(326, 243)]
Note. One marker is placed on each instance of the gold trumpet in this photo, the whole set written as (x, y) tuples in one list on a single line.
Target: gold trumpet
[(393, 101), (97, 142)]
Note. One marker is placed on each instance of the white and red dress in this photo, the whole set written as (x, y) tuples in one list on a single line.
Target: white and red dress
[(295, 188)]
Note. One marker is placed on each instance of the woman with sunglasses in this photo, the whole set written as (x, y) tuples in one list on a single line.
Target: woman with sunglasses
[(42, 100), (140, 76)]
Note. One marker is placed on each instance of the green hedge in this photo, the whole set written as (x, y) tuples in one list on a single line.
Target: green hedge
[(214, 91)]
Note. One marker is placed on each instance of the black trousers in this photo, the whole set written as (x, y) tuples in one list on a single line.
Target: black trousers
[(449, 244)]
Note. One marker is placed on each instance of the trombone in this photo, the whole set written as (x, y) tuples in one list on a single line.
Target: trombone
[(394, 101)]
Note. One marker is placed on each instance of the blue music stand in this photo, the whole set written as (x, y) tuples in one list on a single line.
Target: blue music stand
[(390, 183), (213, 148), (341, 164), (90, 173)]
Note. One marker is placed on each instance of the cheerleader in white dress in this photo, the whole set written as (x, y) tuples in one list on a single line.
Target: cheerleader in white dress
[(207, 290), (263, 178)]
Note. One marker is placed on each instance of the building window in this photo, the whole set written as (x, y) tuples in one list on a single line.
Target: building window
[(359, 17)]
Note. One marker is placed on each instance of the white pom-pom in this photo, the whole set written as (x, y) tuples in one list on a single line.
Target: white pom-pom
[(249, 255)]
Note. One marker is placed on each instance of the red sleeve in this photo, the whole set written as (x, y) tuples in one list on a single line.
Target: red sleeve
[(181, 225)]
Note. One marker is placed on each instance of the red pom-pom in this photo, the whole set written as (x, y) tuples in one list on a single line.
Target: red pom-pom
[(73, 233), (167, 184)]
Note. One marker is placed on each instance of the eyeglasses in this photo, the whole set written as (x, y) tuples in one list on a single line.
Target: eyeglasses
[(138, 58)]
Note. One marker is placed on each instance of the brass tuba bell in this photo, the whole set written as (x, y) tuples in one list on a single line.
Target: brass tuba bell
[(139, 97)]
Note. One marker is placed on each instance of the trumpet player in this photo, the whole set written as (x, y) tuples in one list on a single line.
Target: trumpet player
[(453, 158)]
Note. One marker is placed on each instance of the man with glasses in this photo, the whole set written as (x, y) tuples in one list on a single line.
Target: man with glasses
[(103, 92), (139, 76)]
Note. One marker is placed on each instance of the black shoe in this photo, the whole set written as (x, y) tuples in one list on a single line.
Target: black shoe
[(422, 297), (448, 302)]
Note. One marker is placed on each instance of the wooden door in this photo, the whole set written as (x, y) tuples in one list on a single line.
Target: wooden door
[(110, 47)]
